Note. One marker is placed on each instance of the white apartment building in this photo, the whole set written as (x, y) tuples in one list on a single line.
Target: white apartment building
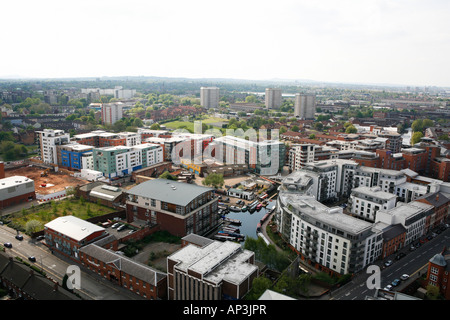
[(132, 138), (302, 154), (48, 140), (365, 202), (326, 236), (209, 97), (410, 215), (112, 112), (273, 98)]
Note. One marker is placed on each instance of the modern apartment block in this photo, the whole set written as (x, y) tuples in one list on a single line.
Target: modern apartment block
[(305, 106), (266, 157), (331, 240), (212, 271), (378, 223), (177, 207), (209, 97), (301, 154), (118, 161), (365, 202), (100, 138), (49, 139), (71, 156), (112, 112), (273, 98)]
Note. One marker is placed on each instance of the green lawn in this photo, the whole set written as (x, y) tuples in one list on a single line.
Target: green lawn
[(49, 211), (190, 125)]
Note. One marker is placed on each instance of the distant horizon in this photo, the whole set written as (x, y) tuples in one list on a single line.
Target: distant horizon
[(218, 79)]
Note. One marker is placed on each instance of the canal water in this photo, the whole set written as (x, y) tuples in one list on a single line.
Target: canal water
[(250, 220)]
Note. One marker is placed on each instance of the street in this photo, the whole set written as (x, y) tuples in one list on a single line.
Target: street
[(93, 286), (414, 264)]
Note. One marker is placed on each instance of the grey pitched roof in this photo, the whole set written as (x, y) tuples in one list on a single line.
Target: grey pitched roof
[(129, 266), (178, 193), (436, 199), (439, 260)]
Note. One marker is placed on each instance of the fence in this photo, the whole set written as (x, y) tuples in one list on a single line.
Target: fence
[(51, 196)]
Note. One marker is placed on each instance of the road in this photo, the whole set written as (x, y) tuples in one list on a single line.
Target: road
[(93, 286), (415, 264)]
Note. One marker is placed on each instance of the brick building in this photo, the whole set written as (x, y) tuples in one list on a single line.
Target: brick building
[(177, 207), (122, 271), (68, 234), (15, 190), (438, 274)]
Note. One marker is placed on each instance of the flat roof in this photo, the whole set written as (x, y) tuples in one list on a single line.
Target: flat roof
[(13, 181), (73, 227), (216, 261), (375, 192), (169, 191)]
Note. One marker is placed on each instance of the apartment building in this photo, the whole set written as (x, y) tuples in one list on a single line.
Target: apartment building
[(330, 240), (209, 97), (100, 139), (118, 161), (266, 157), (301, 154), (70, 155), (177, 207), (111, 112), (365, 202), (48, 139), (305, 106), (210, 270), (273, 98)]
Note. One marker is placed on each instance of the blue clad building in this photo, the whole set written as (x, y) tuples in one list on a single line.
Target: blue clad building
[(69, 155)]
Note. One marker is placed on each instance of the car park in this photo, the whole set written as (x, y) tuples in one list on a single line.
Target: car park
[(7, 245), (404, 276)]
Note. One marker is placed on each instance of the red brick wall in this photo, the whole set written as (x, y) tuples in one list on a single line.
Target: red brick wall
[(17, 200)]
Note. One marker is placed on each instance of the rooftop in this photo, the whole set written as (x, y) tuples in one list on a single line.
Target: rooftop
[(73, 227), (375, 192), (169, 191)]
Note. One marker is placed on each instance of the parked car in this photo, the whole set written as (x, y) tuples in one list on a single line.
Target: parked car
[(400, 255), (39, 238), (388, 263), (7, 245), (412, 248), (115, 225), (404, 276), (388, 287), (32, 258), (395, 283), (19, 237), (122, 227)]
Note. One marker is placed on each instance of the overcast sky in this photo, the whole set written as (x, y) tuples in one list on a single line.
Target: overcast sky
[(355, 41)]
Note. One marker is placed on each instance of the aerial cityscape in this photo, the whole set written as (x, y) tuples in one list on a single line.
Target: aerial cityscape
[(247, 187)]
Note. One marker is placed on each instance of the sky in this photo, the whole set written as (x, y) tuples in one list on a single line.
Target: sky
[(405, 42)]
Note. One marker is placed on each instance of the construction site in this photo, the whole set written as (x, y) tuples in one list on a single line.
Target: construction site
[(47, 180)]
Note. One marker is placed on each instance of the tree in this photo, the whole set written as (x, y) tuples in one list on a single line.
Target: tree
[(416, 136), (167, 175), (351, 129), (32, 226), (215, 180), (155, 126)]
